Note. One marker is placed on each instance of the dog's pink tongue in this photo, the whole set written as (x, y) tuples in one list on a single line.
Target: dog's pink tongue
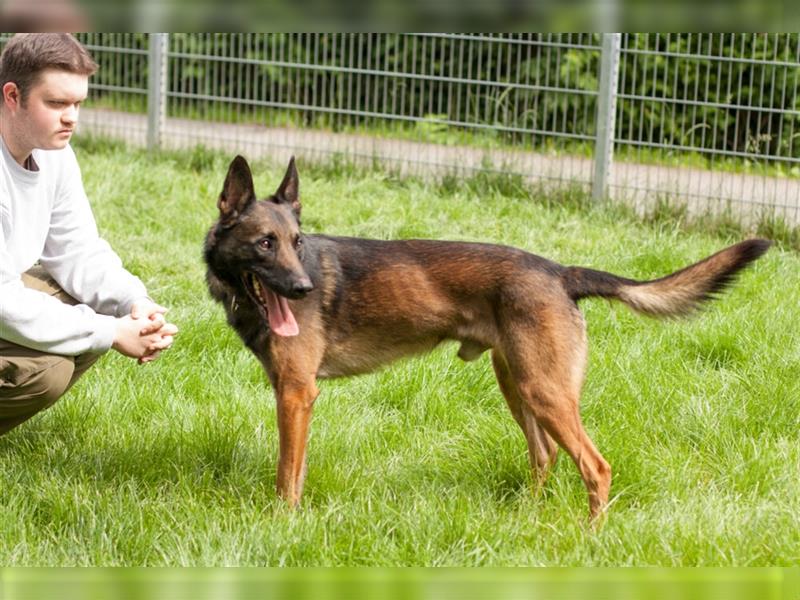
[(281, 319)]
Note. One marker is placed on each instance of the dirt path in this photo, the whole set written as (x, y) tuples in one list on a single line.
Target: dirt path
[(747, 196)]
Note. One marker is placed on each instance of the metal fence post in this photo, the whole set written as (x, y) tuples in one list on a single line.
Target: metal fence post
[(156, 88), (606, 114)]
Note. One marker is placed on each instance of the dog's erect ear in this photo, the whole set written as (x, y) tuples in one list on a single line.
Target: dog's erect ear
[(237, 191), (289, 189)]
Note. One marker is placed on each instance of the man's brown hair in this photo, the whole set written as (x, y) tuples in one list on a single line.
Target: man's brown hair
[(28, 54)]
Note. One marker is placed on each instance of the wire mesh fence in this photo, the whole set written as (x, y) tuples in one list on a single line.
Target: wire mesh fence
[(709, 122), (418, 103)]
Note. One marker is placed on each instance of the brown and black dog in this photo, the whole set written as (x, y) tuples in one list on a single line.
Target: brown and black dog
[(312, 306)]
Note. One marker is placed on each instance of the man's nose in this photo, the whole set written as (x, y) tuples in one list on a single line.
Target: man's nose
[(70, 115)]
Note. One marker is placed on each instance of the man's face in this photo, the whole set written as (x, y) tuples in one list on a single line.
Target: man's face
[(49, 114)]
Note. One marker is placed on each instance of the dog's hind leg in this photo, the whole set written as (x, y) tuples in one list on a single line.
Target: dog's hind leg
[(542, 450), (295, 399), (546, 359)]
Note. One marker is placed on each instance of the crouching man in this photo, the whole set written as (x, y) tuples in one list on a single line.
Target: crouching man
[(64, 296)]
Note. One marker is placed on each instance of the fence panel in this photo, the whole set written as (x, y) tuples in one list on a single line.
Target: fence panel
[(416, 102), (711, 122), (118, 91)]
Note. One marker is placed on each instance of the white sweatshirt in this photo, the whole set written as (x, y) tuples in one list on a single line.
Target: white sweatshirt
[(45, 216)]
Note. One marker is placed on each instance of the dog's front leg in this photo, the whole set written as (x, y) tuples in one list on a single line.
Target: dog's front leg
[(295, 401)]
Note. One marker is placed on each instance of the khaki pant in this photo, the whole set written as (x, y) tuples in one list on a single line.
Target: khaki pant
[(31, 381)]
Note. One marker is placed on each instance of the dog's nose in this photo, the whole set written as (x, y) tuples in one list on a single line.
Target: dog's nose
[(302, 287)]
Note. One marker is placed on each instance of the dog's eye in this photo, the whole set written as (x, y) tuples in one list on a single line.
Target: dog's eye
[(265, 244), (298, 243)]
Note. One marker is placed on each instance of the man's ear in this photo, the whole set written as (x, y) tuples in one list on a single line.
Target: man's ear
[(12, 96), (237, 191), (289, 189)]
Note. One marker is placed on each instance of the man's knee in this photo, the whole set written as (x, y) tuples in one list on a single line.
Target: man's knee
[(30, 380), (54, 381), (33, 384)]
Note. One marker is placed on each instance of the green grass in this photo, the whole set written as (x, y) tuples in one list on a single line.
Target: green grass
[(174, 463)]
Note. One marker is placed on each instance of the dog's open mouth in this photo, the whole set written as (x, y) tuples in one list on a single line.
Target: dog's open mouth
[(278, 314)]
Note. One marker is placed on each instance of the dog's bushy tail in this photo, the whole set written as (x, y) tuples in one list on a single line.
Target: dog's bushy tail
[(675, 295)]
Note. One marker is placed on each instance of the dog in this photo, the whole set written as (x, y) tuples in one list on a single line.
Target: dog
[(318, 306)]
